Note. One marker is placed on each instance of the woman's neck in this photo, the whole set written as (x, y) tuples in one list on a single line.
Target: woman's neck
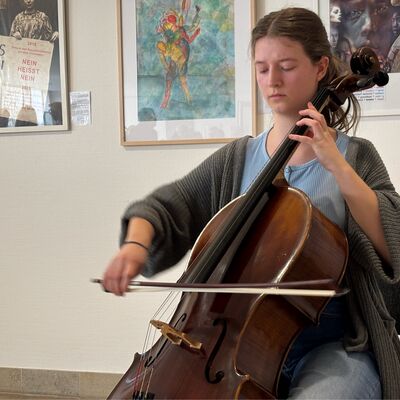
[(283, 125), (280, 130), (30, 11)]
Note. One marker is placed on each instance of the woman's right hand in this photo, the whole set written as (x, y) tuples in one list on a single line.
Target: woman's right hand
[(126, 264), (17, 35), (131, 257)]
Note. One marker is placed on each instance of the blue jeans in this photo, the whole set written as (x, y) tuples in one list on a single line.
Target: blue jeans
[(329, 372), (318, 367)]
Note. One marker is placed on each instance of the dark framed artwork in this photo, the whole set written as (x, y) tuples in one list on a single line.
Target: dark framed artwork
[(353, 24), (33, 94)]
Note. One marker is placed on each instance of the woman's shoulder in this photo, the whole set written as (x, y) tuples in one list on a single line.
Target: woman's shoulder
[(360, 141), (235, 148), (40, 15), (227, 156), (19, 16), (361, 147), (365, 159), (238, 143)]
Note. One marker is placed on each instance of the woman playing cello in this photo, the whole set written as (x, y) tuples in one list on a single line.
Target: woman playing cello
[(354, 352)]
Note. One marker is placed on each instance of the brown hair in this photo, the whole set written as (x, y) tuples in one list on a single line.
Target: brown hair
[(306, 28)]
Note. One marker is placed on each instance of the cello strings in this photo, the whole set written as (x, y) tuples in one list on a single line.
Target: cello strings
[(148, 383), (141, 368), (141, 364), (149, 343)]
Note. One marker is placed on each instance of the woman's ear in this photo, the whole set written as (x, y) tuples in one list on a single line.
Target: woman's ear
[(323, 64)]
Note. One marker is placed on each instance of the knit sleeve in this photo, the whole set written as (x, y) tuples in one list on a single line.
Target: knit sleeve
[(46, 29), (180, 210), (370, 167), (16, 25)]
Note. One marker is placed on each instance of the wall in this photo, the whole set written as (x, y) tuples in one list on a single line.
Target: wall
[(62, 195)]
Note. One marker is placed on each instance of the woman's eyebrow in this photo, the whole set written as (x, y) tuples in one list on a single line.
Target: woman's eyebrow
[(280, 60)]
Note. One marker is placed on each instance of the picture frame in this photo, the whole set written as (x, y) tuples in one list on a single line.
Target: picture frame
[(376, 101), (186, 77), (33, 71)]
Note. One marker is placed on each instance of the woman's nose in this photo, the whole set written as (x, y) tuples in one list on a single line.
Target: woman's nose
[(368, 24), (274, 78)]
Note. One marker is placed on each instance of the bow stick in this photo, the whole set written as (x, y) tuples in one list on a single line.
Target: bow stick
[(282, 289)]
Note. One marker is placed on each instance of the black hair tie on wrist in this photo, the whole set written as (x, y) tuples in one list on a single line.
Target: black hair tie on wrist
[(137, 243)]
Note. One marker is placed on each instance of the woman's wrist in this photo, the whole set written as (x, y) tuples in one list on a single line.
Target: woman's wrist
[(136, 243), (140, 233)]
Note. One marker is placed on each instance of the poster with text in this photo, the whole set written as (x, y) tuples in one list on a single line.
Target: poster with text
[(32, 66)]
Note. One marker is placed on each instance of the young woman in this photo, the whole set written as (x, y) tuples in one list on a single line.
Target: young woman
[(354, 352)]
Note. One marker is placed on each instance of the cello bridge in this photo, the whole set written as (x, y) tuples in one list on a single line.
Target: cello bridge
[(176, 337)]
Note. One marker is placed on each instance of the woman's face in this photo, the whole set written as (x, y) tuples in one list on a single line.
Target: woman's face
[(344, 51), (368, 23), (396, 23), (29, 4), (285, 74), (334, 36)]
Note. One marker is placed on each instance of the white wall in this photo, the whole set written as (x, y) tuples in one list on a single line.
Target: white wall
[(62, 195)]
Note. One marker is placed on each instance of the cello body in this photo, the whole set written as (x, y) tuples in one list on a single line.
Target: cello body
[(244, 338)]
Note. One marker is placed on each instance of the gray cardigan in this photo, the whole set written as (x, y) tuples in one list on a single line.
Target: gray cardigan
[(180, 210)]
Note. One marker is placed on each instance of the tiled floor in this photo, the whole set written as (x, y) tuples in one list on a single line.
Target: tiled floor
[(58, 385), (18, 396), (11, 396)]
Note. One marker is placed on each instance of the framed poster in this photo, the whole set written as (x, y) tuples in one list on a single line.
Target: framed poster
[(368, 23), (33, 95), (185, 71)]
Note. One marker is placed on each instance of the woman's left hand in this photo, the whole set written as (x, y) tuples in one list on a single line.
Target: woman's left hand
[(320, 137), (54, 37)]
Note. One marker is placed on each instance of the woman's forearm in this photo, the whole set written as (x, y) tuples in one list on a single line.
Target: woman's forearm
[(140, 230), (363, 205)]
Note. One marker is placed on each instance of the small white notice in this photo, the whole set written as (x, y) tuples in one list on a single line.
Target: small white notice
[(80, 108)]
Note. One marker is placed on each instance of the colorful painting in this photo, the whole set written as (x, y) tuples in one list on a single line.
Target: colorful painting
[(185, 54), (371, 23), (353, 24)]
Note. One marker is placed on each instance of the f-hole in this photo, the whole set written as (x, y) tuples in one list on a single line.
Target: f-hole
[(219, 374)]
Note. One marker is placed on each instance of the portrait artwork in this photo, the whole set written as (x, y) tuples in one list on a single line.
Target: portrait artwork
[(32, 92), (371, 23)]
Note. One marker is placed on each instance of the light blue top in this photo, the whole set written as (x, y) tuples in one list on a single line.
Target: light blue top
[(312, 178)]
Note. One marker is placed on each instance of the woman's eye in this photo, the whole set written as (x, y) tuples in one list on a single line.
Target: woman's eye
[(381, 10), (355, 14)]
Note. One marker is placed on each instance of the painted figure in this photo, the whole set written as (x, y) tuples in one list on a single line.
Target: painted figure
[(174, 49)]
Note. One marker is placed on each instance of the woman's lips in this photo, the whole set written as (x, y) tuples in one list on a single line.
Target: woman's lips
[(276, 96)]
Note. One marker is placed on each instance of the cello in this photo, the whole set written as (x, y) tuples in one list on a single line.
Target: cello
[(219, 345)]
